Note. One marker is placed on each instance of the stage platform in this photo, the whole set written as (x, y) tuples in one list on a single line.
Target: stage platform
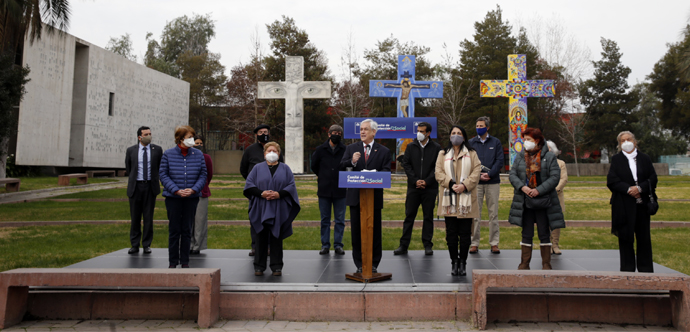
[(307, 271)]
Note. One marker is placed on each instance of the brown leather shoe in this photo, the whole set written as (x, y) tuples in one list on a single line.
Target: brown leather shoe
[(252, 252), (495, 250), (474, 249)]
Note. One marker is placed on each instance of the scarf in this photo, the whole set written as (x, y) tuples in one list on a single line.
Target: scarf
[(533, 162), (454, 203)]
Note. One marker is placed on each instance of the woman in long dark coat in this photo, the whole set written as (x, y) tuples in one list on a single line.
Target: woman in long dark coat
[(631, 178)]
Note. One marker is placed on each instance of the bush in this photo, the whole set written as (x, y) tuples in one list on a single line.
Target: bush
[(16, 171)]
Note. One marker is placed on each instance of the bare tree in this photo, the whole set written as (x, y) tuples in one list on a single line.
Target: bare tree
[(572, 132), (350, 98), (456, 91)]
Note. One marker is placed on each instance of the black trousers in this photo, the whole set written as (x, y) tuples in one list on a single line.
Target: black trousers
[(356, 227), (264, 239), (529, 218), (143, 202), (458, 228), (427, 199), (181, 212), (644, 244)]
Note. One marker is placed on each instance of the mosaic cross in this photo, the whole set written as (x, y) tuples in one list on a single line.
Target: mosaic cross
[(518, 89), (294, 90)]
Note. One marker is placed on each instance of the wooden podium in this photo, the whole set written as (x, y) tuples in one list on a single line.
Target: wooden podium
[(366, 212)]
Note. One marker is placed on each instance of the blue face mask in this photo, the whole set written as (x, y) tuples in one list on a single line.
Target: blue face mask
[(482, 131)]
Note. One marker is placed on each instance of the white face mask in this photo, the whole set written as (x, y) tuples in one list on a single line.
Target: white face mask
[(188, 142), (420, 136), (628, 146), (529, 145), (271, 157)]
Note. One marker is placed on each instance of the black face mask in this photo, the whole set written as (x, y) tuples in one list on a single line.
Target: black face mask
[(335, 139), (263, 138)]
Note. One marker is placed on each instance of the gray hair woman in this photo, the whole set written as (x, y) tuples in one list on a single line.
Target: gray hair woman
[(632, 180), (556, 233)]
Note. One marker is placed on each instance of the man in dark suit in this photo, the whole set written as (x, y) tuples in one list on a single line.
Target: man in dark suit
[(142, 163), (366, 155)]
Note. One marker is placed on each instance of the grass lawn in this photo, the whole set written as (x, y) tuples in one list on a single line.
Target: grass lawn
[(59, 246), (35, 183)]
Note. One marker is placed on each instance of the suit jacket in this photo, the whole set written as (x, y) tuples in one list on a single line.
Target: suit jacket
[(379, 160), (132, 168)]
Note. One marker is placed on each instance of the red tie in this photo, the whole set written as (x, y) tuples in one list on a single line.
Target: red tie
[(366, 153)]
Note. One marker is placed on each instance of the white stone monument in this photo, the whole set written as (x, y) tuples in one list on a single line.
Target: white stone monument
[(294, 90)]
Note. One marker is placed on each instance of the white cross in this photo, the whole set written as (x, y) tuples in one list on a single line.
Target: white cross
[(294, 90)]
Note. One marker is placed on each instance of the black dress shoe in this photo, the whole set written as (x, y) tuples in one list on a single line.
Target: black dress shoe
[(454, 267), (194, 252), (278, 272), (185, 266), (147, 250), (252, 252), (258, 272), (339, 251), (428, 251), (373, 269), (400, 251), (172, 266), (462, 268), (133, 250), (359, 270), (324, 251)]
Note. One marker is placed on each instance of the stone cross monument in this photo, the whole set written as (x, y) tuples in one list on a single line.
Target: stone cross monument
[(517, 88), (294, 90)]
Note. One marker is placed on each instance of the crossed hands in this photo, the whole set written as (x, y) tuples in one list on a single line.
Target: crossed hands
[(634, 192), (270, 195), (185, 192), (459, 188), (421, 184), (530, 192)]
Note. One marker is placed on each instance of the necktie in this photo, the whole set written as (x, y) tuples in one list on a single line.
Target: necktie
[(146, 165), (366, 153)]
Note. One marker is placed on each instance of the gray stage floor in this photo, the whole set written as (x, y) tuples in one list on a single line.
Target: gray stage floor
[(308, 271)]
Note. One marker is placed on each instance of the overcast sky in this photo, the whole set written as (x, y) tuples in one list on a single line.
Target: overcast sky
[(642, 28)]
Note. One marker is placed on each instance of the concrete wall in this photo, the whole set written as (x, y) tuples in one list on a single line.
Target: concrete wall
[(64, 119), (226, 162), (603, 169)]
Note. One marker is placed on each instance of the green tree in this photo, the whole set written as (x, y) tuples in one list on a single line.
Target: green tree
[(122, 46), (607, 100), (12, 81), (672, 87)]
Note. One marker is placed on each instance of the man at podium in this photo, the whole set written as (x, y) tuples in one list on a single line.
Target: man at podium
[(366, 155)]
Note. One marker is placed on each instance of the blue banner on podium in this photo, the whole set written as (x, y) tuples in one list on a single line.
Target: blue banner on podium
[(360, 180), (389, 127)]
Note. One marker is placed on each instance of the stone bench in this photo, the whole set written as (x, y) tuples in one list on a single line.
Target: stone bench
[(14, 286), (63, 180), (677, 284), (110, 174), (11, 184)]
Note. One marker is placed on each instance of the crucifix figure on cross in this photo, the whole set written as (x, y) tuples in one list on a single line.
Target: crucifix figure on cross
[(294, 90), (518, 89)]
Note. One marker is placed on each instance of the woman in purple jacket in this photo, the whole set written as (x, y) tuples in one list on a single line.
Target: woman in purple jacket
[(183, 175)]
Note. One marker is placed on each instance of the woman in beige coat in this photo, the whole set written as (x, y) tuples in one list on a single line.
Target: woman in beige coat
[(556, 233), (457, 170)]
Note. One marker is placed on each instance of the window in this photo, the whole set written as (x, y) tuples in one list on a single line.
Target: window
[(111, 101)]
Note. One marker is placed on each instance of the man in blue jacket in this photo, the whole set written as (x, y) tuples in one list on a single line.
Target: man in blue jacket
[(490, 153)]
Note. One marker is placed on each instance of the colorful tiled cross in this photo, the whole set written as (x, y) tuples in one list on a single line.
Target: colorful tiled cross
[(518, 89)]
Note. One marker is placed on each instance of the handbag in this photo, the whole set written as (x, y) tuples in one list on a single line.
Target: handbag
[(540, 202), (652, 205)]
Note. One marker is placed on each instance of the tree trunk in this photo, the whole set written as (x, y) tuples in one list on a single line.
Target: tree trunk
[(4, 146), (577, 168)]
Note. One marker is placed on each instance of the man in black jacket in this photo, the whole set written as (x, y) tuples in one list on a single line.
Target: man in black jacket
[(325, 163), (142, 162), (419, 162), (366, 155), (253, 155)]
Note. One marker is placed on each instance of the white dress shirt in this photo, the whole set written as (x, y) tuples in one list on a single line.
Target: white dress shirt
[(140, 166)]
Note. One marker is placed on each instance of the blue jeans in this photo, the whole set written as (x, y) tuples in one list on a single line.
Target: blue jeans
[(339, 218)]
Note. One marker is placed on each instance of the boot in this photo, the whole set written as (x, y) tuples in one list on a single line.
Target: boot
[(545, 256), (454, 268), (526, 256), (462, 268), (555, 236)]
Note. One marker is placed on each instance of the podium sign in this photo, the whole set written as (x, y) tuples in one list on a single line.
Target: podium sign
[(388, 127), (366, 182)]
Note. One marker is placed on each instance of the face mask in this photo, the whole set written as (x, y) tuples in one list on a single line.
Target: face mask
[(263, 138), (457, 140), (420, 136), (628, 146), (335, 139), (188, 142), (482, 131), (529, 145), (271, 157), (146, 140)]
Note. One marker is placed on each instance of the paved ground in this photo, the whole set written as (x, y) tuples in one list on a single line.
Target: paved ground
[(178, 325)]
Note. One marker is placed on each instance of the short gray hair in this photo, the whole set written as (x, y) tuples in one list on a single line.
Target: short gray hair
[(372, 123), (618, 138), (486, 119), (553, 148), (335, 127)]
